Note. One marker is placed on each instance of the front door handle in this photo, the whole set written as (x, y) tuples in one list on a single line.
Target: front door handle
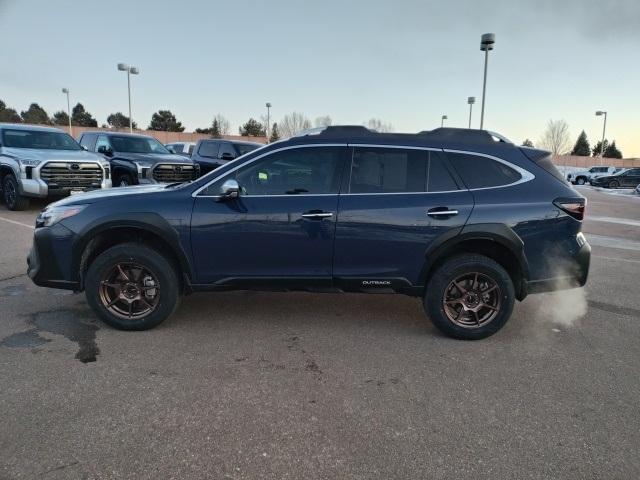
[(319, 215), (441, 212)]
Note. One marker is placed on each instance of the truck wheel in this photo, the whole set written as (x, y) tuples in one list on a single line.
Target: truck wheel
[(580, 181), (469, 297), (614, 184), (132, 287), (124, 180), (12, 197)]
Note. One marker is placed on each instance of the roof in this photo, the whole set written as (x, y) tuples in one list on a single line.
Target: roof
[(23, 126), (119, 134)]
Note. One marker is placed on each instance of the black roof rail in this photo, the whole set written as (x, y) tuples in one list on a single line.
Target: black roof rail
[(339, 131)]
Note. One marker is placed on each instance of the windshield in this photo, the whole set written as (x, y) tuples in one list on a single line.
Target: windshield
[(246, 147), (39, 140), (137, 145)]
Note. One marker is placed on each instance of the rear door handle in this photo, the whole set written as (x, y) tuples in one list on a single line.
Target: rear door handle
[(441, 212), (317, 215)]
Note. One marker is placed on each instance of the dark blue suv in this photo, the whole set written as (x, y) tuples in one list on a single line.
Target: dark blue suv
[(463, 219)]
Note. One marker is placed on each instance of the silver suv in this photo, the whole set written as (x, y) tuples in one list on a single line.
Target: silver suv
[(38, 162)]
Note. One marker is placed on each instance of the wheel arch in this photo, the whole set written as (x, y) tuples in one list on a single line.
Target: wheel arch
[(495, 241)]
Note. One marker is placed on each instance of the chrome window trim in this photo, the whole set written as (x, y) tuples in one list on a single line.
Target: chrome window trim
[(290, 147), (526, 175)]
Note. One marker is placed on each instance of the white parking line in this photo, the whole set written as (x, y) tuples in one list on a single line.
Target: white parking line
[(626, 260), (18, 223), (620, 221), (612, 242)]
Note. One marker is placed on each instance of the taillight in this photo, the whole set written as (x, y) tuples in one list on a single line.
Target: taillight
[(573, 206)]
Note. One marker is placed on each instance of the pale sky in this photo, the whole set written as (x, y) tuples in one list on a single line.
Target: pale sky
[(405, 62)]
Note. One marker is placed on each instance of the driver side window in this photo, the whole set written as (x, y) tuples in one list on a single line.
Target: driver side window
[(298, 171), (103, 141)]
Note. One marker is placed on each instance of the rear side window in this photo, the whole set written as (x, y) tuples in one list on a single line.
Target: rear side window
[(208, 149), (395, 170), (482, 172)]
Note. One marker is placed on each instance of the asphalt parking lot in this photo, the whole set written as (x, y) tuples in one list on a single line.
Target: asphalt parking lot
[(272, 385)]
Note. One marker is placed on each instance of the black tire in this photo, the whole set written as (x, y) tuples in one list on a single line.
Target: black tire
[(456, 267), (11, 193), (162, 271), (124, 180), (580, 181), (614, 184)]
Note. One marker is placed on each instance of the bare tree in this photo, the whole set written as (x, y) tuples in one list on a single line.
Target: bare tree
[(379, 126), (293, 123), (556, 137), (223, 124), (323, 121)]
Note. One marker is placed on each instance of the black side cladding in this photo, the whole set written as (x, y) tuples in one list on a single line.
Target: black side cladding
[(542, 158)]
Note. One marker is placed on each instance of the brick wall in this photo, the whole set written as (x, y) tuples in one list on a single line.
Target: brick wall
[(586, 162)]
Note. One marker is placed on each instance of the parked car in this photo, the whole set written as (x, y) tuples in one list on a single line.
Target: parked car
[(624, 178), (211, 154), (139, 159), (42, 162), (466, 223), (585, 176), (181, 148)]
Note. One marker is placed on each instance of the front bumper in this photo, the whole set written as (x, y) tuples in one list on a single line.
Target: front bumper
[(50, 259), (32, 184), (574, 274)]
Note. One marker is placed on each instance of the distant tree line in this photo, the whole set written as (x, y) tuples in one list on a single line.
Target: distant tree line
[(556, 139)]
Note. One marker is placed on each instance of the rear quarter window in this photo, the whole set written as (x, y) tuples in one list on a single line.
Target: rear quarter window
[(482, 172)]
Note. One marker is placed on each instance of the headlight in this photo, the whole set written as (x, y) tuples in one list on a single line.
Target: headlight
[(53, 215), (29, 163)]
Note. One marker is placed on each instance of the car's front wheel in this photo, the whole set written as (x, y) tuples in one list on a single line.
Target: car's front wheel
[(132, 287), (469, 297), (580, 181), (11, 193)]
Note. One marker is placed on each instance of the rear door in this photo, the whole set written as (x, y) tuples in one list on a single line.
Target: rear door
[(632, 178), (397, 201)]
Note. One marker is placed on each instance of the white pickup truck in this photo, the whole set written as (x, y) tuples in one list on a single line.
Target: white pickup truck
[(584, 176)]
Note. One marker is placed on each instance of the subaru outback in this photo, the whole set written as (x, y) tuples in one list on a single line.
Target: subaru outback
[(462, 219)]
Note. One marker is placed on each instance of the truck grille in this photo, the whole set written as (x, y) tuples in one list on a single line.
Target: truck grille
[(168, 173), (71, 175)]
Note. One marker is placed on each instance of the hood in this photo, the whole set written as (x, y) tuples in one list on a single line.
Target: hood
[(154, 157), (51, 155), (97, 195)]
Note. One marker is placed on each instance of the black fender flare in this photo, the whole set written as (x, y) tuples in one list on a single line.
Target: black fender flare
[(496, 232), (120, 165), (144, 222)]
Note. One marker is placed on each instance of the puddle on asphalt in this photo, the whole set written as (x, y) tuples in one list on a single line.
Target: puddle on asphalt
[(72, 324)]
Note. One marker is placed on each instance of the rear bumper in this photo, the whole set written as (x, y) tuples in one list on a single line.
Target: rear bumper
[(49, 258), (575, 274)]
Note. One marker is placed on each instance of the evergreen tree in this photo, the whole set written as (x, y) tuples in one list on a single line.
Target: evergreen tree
[(61, 118), (275, 135), (252, 128), (204, 130), (82, 118), (35, 115), (119, 120), (581, 148), (165, 121), (612, 151), (215, 129), (527, 143), (596, 150), (8, 115)]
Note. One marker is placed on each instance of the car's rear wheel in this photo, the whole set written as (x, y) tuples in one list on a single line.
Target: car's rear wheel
[(11, 193), (580, 181), (132, 287), (469, 297), (614, 184)]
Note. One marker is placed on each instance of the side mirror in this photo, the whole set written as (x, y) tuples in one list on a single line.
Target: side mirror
[(229, 189), (83, 147), (227, 156), (103, 149)]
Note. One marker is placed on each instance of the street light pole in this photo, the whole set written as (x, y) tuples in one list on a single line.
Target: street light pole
[(268, 105), (470, 101), (486, 43), (131, 70), (66, 90), (444, 117), (604, 129)]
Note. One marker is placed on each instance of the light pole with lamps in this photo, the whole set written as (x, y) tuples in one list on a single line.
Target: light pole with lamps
[(66, 91), (470, 101), (123, 67), (444, 117), (604, 128), (486, 43), (268, 105)]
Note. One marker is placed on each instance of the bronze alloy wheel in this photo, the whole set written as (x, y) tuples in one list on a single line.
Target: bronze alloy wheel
[(129, 291), (472, 300)]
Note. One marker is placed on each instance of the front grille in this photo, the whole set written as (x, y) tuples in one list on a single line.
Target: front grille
[(71, 175), (169, 173)]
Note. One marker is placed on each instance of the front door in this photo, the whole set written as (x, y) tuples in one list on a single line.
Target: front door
[(280, 230), (398, 201)]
